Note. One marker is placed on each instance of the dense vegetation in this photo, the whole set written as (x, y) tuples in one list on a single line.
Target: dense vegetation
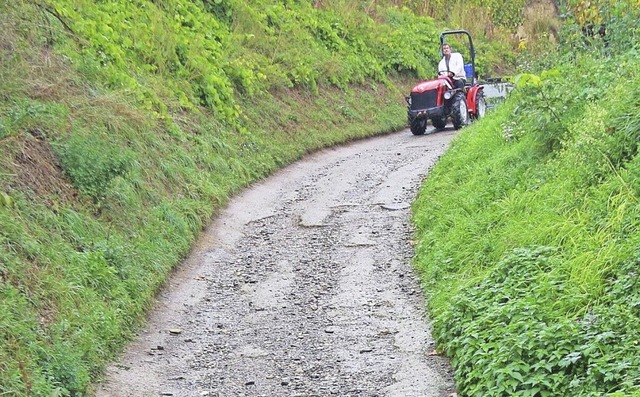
[(124, 126), (529, 226)]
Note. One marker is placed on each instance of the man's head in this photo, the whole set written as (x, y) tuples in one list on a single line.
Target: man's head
[(446, 49)]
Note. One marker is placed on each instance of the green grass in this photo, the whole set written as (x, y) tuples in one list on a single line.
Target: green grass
[(527, 238)]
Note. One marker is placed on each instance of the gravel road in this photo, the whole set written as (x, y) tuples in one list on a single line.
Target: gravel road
[(302, 286)]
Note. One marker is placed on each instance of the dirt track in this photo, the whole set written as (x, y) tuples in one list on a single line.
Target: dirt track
[(301, 287)]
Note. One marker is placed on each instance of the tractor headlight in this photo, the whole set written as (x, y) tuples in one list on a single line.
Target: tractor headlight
[(448, 95)]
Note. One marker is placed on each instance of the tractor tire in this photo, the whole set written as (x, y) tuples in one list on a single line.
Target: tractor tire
[(459, 111), (418, 126), (439, 122), (481, 106)]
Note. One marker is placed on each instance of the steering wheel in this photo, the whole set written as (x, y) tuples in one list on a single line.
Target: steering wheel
[(445, 73)]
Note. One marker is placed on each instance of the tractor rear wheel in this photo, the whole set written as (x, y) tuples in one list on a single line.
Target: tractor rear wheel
[(459, 111), (481, 106)]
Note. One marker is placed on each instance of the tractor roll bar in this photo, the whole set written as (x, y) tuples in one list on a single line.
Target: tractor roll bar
[(472, 50), (448, 32)]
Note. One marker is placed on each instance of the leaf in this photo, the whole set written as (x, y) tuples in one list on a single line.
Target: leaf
[(527, 79), (549, 74), (570, 359), (517, 375)]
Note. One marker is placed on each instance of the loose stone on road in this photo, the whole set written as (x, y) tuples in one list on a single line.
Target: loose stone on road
[(302, 286)]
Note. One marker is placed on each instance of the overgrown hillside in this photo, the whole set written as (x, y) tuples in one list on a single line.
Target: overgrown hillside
[(125, 125), (529, 227)]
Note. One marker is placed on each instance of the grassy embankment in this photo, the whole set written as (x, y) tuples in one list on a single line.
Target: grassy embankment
[(124, 126), (529, 227)]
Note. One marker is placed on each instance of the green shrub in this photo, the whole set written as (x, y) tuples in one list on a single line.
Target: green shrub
[(511, 337), (92, 162)]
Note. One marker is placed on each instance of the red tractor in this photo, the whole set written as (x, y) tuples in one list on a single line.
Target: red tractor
[(438, 100)]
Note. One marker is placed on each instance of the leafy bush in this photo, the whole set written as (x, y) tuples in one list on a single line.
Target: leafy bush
[(214, 48), (511, 337), (92, 162), (604, 26)]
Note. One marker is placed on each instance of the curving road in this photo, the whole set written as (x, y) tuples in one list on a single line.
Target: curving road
[(302, 286)]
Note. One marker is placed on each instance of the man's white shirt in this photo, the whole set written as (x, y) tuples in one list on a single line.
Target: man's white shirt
[(456, 65)]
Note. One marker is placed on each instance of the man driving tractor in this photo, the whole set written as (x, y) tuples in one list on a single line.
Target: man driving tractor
[(448, 96), (453, 65)]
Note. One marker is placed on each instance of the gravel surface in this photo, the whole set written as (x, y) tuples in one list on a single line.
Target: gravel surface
[(302, 286)]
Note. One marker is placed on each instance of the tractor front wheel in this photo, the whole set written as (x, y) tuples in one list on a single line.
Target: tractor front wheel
[(418, 126), (459, 111), (439, 122)]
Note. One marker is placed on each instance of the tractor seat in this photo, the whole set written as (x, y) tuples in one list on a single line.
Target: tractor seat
[(470, 72)]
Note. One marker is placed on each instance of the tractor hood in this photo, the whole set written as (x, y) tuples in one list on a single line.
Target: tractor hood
[(431, 85)]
